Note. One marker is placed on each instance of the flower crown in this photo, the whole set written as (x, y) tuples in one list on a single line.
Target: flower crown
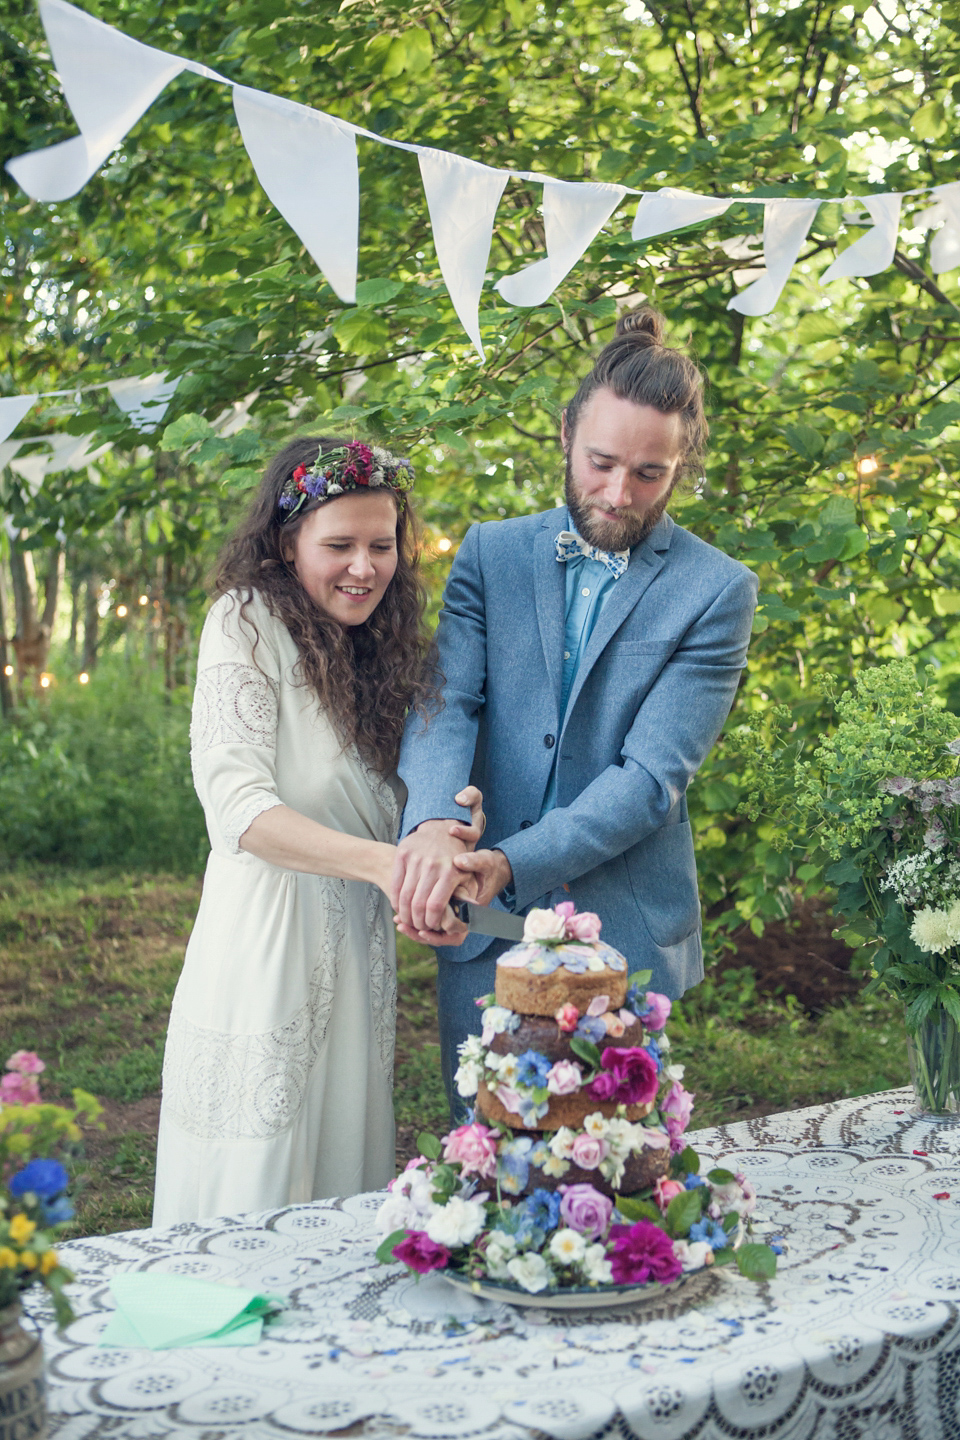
[(350, 467)]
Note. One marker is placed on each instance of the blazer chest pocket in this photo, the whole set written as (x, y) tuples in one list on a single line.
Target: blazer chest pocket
[(663, 877)]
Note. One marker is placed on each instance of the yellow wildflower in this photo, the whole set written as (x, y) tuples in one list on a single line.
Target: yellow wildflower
[(21, 1229), (28, 1260), (8, 1257), (49, 1261)]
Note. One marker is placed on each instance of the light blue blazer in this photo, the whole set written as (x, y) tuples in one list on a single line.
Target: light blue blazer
[(655, 685)]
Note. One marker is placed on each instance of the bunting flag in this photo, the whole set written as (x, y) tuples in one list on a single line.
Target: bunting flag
[(573, 212), (462, 198), (12, 410), (145, 399), (786, 224), (307, 164), (873, 252)]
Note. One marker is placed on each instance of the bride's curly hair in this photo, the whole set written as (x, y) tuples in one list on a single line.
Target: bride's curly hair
[(366, 677)]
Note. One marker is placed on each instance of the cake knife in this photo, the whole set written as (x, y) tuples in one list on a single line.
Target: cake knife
[(484, 920)]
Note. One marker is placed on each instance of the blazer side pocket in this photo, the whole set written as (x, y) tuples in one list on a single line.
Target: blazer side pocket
[(663, 877)]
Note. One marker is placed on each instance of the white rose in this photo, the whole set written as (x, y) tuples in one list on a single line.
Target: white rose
[(420, 1191), (456, 1223), (562, 1143), (567, 1246), (544, 925), (693, 1254), (396, 1213), (530, 1271), (468, 1077), (596, 1266)]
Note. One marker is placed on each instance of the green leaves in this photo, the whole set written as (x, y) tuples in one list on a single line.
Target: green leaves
[(429, 1146), (756, 1262), (633, 1210), (384, 1251), (361, 331), (683, 1211), (585, 1050)]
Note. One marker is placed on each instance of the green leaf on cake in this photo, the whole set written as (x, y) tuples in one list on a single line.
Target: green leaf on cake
[(720, 1177), (726, 1256), (385, 1249), (756, 1262), (640, 978), (633, 1210), (586, 1050), (429, 1146), (683, 1211), (689, 1161), (730, 1222)]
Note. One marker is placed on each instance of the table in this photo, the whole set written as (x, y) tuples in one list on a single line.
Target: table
[(858, 1335)]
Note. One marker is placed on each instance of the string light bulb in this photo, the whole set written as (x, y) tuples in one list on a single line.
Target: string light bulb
[(45, 681), (84, 678), (122, 611), (443, 544), (144, 599), (868, 465), (8, 669)]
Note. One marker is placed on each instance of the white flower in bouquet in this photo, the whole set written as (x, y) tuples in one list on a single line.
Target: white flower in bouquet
[(459, 1222), (620, 1136), (663, 1042), (544, 925), (468, 1077), (472, 1048), (953, 923), (611, 1167), (397, 1213), (496, 1019), (673, 1074), (931, 931), (562, 1143), (693, 1254), (530, 1271), (555, 1166), (567, 1246), (501, 1248), (506, 1067), (596, 1267), (596, 1125)]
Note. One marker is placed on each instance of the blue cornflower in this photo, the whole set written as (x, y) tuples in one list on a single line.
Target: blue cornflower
[(543, 1208), (636, 999), (776, 1244), (44, 1178), (57, 1212), (591, 1027), (532, 1069), (654, 1049), (693, 1182), (711, 1231)]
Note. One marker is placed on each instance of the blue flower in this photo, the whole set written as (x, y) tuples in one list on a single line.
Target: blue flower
[(776, 1244), (543, 1209), (637, 1000), (591, 1027), (654, 1049), (513, 1164), (532, 1069), (57, 1212), (693, 1182), (711, 1231), (44, 1178), (539, 1154), (574, 963)]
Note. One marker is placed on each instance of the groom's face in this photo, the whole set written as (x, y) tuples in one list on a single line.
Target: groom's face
[(623, 461)]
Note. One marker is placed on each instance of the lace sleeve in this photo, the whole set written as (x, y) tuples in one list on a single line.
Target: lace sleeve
[(233, 746)]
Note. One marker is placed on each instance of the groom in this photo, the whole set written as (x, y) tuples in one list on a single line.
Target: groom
[(591, 655)]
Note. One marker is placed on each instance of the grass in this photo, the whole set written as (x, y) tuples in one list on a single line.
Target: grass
[(88, 965)]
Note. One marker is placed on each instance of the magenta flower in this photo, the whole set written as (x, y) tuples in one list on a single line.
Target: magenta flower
[(421, 1253), (641, 1253), (629, 1076), (585, 1210), (17, 1089), (659, 1011), (27, 1062)]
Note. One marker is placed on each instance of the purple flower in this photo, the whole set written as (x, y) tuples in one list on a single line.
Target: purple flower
[(585, 1210), (657, 1011), (898, 785), (641, 1253), (629, 1076), (44, 1178), (421, 1253), (591, 1027)]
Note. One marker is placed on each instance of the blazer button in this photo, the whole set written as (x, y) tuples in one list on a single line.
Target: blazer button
[(549, 741), (525, 824)]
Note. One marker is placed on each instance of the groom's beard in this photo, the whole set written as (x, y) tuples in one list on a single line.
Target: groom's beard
[(619, 530)]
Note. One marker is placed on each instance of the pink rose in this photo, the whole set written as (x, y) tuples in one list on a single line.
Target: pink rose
[(676, 1109), (567, 1017), (564, 1078), (17, 1089), (666, 1190), (566, 908), (473, 1147), (614, 1024), (585, 1210), (27, 1062), (659, 1012), (585, 927), (587, 1152)]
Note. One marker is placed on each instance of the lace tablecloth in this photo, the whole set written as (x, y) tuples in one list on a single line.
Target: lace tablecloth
[(857, 1336)]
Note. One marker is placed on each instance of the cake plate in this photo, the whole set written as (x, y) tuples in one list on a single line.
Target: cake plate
[(585, 1297)]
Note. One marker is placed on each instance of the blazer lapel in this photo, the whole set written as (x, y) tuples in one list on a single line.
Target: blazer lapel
[(549, 578), (646, 561)]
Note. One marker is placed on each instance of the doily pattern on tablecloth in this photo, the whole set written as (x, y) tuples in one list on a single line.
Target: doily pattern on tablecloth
[(858, 1337)]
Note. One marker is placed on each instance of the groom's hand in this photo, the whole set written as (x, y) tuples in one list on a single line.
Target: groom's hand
[(424, 878), (490, 868)]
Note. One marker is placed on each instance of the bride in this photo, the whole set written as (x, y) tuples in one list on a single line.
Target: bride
[(278, 1071)]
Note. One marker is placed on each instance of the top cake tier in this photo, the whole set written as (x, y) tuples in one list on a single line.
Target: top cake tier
[(536, 979)]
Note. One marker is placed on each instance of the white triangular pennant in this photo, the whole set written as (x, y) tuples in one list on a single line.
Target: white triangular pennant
[(462, 198), (873, 251), (12, 410), (573, 213), (670, 209), (306, 162), (945, 245), (785, 227), (8, 448), (144, 398), (31, 469), (109, 80)]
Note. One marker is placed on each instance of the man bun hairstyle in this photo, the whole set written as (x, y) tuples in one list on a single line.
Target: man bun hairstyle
[(637, 366)]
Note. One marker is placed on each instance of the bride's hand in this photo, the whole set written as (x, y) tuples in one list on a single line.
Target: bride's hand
[(471, 833), (454, 931)]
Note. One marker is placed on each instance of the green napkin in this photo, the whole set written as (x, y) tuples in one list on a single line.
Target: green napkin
[(164, 1312)]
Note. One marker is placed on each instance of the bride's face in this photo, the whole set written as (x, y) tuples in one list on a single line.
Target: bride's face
[(345, 554)]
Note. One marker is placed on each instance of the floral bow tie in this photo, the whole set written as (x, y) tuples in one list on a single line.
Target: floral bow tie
[(571, 546)]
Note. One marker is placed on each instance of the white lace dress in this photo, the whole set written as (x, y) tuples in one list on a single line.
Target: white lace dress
[(278, 1072)]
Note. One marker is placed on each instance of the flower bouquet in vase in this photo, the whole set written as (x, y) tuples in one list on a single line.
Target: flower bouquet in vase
[(876, 808), (35, 1139)]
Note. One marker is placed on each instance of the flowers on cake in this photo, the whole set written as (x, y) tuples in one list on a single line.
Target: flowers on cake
[(629, 1076)]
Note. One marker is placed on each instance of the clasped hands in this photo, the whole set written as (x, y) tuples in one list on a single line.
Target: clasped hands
[(437, 861)]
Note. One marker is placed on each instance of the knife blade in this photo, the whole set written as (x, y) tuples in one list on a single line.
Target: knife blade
[(484, 920)]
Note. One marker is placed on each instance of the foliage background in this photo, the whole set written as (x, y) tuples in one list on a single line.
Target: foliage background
[(171, 258)]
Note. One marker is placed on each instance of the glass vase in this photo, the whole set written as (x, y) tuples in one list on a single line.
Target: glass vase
[(23, 1409), (934, 1056)]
